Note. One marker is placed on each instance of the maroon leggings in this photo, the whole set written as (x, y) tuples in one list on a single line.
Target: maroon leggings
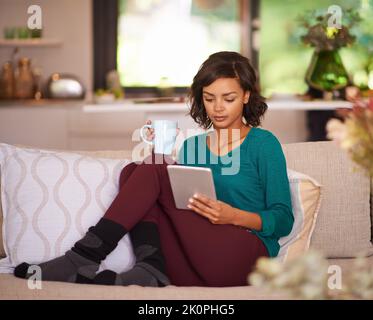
[(197, 252)]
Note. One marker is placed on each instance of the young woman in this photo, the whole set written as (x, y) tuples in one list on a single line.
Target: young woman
[(214, 243)]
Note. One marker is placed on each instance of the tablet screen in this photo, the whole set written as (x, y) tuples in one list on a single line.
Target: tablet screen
[(186, 181)]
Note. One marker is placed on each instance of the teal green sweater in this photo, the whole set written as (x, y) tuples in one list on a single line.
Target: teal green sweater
[(251, 177)]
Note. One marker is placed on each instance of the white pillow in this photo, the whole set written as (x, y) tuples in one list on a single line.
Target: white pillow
[(50, 199), (306, 195)]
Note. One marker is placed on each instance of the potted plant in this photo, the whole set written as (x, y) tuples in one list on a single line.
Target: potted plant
[(326, 71)]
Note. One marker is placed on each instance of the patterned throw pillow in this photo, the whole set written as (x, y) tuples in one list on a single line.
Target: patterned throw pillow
[(50, 199), (306, 200)]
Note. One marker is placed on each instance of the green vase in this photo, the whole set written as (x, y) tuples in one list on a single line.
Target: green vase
[(326, 71)]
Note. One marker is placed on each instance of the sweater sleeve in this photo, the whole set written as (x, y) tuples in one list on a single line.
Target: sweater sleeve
[(277, 217)]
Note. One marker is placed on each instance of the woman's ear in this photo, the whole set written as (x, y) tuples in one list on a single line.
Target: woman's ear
[(246, 97)]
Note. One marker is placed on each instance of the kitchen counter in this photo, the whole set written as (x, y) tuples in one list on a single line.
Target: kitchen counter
[(134, 106), (128, 106), (83, 125), (21, 103)]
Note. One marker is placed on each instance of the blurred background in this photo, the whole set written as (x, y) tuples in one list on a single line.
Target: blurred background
[(86, 74)]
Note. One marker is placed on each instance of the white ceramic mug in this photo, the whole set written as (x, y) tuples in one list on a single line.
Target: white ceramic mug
[(165, 135)]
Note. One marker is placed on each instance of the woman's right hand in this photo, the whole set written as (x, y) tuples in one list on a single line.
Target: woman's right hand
[(149, 132)]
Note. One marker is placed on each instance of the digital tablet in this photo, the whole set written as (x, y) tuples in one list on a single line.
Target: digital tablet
[(186, 181)]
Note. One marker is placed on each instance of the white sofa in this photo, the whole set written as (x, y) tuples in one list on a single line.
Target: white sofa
[(343, 229)]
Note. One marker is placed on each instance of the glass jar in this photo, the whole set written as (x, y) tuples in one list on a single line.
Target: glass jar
[(24, 82), (7, 81), (326, 71)]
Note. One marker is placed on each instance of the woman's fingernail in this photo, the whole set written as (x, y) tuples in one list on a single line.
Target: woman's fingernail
[(189, 206), (190, 200)]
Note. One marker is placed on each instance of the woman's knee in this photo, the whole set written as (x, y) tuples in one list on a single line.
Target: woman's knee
[(126, 173), (158, 158)]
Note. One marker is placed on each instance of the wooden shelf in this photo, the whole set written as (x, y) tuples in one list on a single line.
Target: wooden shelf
[(30, 42)]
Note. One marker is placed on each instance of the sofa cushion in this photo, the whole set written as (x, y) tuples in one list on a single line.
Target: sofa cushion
[(343, 227), (18, 289), (306, 195), (49, 201)]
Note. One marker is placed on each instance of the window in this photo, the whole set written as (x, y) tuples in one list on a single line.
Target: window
[(163, 42)]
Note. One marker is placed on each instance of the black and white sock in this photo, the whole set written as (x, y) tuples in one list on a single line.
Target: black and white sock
[(81, 262), (149, 269)]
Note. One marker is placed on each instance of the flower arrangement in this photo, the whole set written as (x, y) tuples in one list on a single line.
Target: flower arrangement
[(354, 132), (307, 277), (319, 34), (304, 277)]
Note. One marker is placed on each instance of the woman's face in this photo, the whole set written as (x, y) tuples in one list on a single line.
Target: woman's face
[(224, 100)]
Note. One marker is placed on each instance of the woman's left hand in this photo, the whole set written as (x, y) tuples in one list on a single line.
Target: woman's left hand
[(218, 212)]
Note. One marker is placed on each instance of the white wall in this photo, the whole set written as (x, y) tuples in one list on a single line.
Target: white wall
[(67, 20)]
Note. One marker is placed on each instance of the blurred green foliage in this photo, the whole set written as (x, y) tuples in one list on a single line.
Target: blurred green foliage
[(283, 59)]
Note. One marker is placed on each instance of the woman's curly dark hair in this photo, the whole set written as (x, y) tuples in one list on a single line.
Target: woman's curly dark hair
[(226, 64)]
